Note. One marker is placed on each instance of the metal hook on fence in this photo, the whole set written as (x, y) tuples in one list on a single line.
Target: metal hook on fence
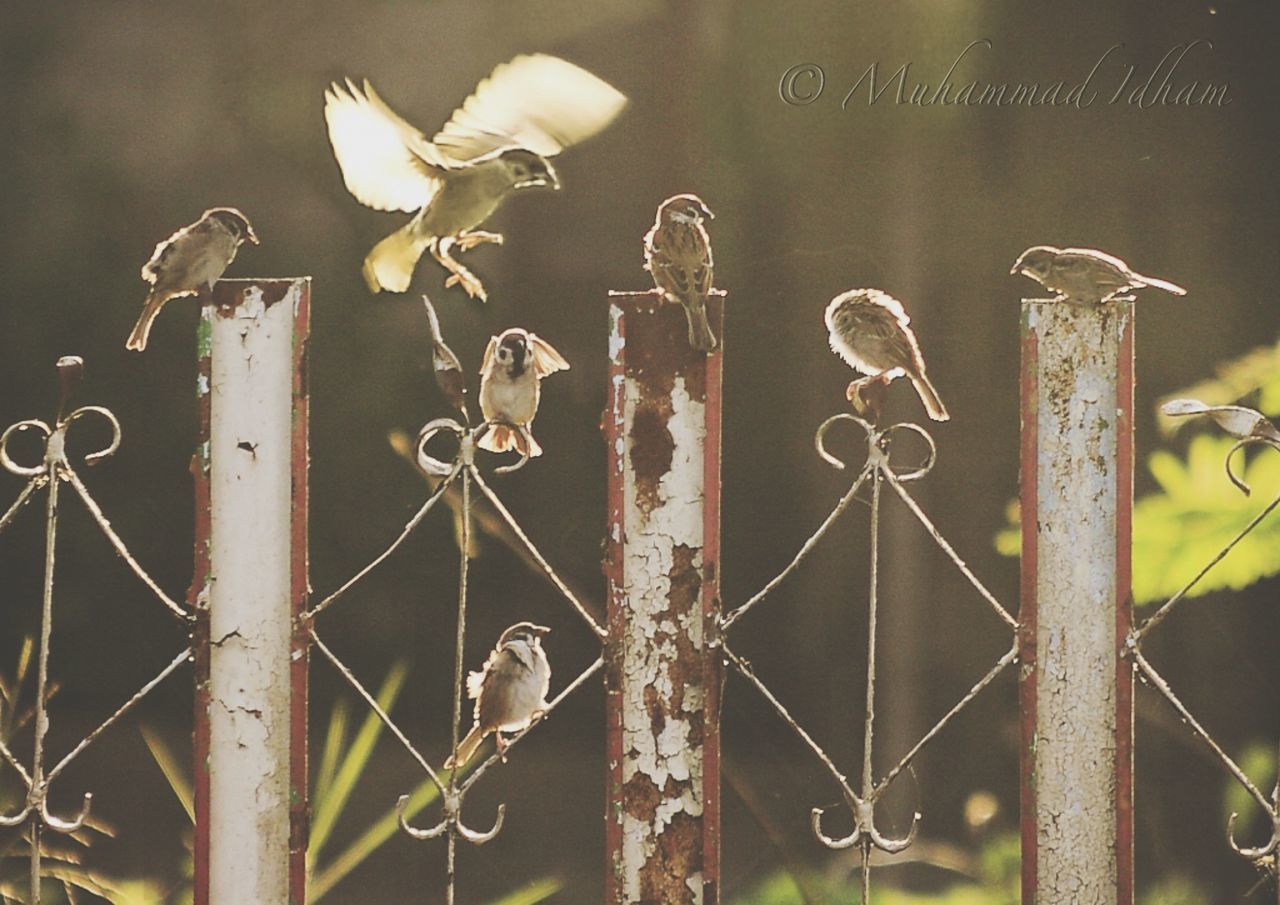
[(878, 441), (468, 440), (13, 430), (17, 819), (452, 807), (864, 828), (54, 441), (1241, 444), (1263, 851), (110, 449), (59, 824), (428, 463)]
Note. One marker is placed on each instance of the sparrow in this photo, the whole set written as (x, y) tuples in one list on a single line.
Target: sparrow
[(677, 252), (870, 330), (1084, 274), (496, 143), (189, 262), (510, 384), (510, 690)]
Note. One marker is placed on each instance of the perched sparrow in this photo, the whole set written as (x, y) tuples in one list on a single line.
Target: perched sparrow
[(510, 384), (677, 251), (510, 689), (871, 332), (189, 262), (497, 142), (1084, 274)]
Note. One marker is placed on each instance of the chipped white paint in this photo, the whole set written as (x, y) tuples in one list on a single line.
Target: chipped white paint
[(251, 504), (1076, 599), (670, 758)]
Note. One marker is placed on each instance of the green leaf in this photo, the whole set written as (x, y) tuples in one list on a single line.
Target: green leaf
[(334, 740), (332, 799), (368, 842), (170, 766), (537, 891)]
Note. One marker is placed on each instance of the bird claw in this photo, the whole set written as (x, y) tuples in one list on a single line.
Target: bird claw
[(458, 274), (468, 241)]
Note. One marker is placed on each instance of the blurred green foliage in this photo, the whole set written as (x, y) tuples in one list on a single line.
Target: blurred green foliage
[(1178, 530), (997, 883)]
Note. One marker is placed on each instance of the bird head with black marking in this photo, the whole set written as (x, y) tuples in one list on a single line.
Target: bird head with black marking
[(513, 353), (1035, 262), (235, 223), (529, 170), (527, 632), (684, 209)]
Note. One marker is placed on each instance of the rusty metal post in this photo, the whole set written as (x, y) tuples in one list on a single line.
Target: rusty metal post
[(249, 589), (1076, 685), (663, 671)]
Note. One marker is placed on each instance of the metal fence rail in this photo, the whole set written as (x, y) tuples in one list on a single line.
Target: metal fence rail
[(53, 469), (879, 471), (704, 632), (462, 470), (1250, 429)]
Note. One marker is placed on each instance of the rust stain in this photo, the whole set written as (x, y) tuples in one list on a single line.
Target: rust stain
[(679, 856)]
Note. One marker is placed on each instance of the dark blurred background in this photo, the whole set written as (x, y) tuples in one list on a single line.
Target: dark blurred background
[(126, 120)]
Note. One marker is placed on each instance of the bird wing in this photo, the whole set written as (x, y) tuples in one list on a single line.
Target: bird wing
[(546, 360), (679, 257), (487, 361), (160, 258), (386, 163), (475, 680), (538, 102)]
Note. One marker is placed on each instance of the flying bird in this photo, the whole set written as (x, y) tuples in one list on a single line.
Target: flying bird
[(871, 331), (510, 385), (1084, 274), (496, 143), (510, 690), (189, 262), (677, 252)]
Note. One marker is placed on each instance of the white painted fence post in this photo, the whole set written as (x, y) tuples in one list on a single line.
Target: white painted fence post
[(251, 585), (1076, 613), (662, 427)]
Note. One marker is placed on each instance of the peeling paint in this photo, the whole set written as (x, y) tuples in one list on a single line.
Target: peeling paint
[(658, 663)]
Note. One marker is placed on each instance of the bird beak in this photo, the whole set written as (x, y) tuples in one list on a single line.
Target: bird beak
[(707, 211), (540, 630), (1016, 268), (252, 236)]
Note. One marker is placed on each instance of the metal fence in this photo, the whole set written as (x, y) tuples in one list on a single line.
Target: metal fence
[(666, 643)]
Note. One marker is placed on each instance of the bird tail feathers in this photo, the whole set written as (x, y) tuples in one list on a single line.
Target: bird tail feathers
[(391, 263), (1172, 288), (929, 396), (501, 438), (142, 329), (466, 748), (700, 335)]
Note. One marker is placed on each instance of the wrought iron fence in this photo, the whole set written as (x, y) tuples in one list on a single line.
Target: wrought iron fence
[(883, 475)]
